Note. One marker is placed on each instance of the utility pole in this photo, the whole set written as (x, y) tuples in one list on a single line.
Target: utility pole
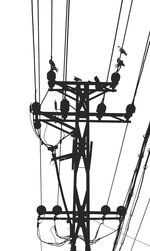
[(77, 124), (74, 119)]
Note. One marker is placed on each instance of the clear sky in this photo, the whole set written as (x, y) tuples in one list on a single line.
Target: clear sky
[(92, 29)]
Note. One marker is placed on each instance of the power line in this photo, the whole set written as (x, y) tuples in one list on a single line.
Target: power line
[(129, 14), (41, 194), (117, 163), (39, 64), (51, 29), (140, 225), (66, 40), (135, 201), (59, 165), (114, 40), (142, 65), (148, 245), (64, 74), (33, 41), (132, 185)]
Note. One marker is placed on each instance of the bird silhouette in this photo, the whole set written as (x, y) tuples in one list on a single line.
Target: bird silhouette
[(119, 64), (53, 66), (122, 51), (96, 79), (77, 79)]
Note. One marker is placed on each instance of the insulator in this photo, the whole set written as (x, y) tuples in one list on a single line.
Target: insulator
[(55, 105), (115, 77), (41, 210), (130, 109), (121, 210), (101, 108), (64, 107), (35, 108), (57, 210), (51, 76), (37, 124), (105, 209)]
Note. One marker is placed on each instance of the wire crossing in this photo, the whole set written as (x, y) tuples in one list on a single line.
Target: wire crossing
[(140, 225), (136, 198), (142, 65)]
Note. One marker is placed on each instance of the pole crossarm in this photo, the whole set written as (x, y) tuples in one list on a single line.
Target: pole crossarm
[(107, 118)]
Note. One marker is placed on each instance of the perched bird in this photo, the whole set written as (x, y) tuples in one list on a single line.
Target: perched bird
[(77, 79), (53, 66), (99, 85), (122, 51), (96, 79), (119, 64)]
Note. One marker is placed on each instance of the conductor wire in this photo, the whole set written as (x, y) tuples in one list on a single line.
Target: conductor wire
[(142, 65), (114, 176), (140, 224), (39, 64), (51, 29), (114, 40), (65, 67), (127, 24), (39, 85), (64, 75), (33, 41), (41, 186), (114, 44)]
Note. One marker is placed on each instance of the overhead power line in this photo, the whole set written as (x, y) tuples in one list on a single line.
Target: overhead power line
[(140, 225), (127, 24), (51, 29), (66, 42), (118, 160), (142, 65), (135, 201), (34, 57), (39, 59), (118, 21)]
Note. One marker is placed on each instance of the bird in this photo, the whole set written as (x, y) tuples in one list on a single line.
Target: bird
[(120, 62), (122, 51), (96, 79), (77, 79), (53, 66)]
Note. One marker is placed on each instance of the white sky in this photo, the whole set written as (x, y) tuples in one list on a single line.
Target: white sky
[(92, 27)]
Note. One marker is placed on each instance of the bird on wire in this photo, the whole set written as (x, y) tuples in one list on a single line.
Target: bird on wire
[(122, 51), (77, 79)]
